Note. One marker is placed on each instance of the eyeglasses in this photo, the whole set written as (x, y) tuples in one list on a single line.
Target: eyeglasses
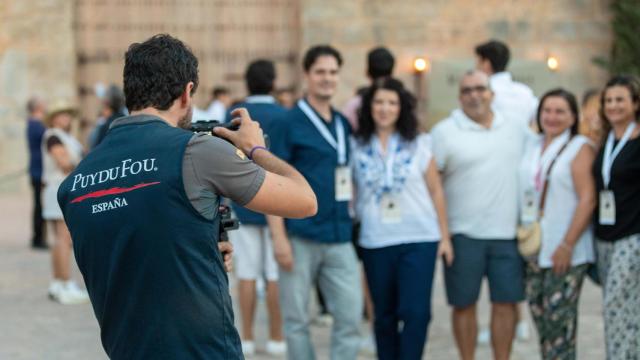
[(469, 90)]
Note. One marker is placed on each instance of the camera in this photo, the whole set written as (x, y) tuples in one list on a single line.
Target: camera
[(227, 223), (207, 126)]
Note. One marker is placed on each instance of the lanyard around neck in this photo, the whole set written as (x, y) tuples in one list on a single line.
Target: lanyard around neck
[(341, 144), (610, 152)]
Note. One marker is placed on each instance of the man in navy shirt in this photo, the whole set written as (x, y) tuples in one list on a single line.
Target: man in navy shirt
[(252, 241), (313, 137), (35, 130), (142, 209)]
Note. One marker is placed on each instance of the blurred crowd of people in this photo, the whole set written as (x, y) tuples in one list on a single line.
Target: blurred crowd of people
[(532, 194)]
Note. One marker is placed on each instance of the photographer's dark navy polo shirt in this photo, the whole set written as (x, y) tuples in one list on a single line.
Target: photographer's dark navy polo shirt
[(265, 110), (296, 140), (146, 247)]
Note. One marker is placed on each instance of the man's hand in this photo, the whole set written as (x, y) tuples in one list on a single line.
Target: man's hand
[(283, 253), (226, 249), (445, 250), (248, 135)]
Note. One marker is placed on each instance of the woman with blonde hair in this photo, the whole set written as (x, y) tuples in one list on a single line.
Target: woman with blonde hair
[(61, 152)]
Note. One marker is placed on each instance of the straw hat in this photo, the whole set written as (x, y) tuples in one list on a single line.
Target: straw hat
[(59, 107)]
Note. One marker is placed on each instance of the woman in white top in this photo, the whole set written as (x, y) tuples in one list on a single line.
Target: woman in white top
[(61, 152), (554, 276), (401, 206)]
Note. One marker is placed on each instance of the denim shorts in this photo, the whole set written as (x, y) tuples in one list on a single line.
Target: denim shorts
[(499, 260)]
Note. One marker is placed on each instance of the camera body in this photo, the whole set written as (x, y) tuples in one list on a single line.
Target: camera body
[(207, 126)]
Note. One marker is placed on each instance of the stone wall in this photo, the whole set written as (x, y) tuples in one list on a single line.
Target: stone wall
[(446, 32), (37, 56), (62, 48), (224, 34)]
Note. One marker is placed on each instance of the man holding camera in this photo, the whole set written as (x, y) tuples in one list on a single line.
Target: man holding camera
[(143, 213)]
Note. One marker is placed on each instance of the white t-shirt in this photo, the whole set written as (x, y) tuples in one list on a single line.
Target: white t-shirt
[(561, 201), (215, 111), (405, 183), (480, 174), (514, 100)]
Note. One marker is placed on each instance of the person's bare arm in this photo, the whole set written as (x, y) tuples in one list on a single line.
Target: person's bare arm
[(281, 245), (585, 190), (284, 192), (61, 157), (434, 184)]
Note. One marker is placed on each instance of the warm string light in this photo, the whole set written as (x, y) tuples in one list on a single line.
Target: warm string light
[(552, 63), (420, 65)]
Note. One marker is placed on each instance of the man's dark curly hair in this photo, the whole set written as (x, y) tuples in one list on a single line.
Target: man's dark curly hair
[(156, 72), (407, 124), (317, 51)]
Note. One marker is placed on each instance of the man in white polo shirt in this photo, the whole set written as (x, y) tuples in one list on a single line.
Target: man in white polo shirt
[(514, 100), (478, 152)]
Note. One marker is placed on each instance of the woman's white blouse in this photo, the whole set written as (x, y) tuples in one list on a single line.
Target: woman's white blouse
[(561, 201), (418, 221)]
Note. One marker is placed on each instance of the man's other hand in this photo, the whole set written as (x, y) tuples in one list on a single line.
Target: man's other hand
[(226, 249)]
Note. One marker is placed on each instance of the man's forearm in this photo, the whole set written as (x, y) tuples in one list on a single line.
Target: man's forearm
[(272, 163)]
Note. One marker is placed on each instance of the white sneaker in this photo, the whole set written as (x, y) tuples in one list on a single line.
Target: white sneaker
[(67, 293), (248, 347), (522, 331), (484, 337), (368, 346), (55, 288), (276, 347)]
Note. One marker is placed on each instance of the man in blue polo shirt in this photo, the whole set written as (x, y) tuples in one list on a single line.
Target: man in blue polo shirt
[(252, 241), (35, 130), (142, 209), (313, 138)]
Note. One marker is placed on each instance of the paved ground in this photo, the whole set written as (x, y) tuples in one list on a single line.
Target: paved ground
[(32, 327)]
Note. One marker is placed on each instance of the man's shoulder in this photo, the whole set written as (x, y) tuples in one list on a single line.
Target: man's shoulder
[(522, 89), (443, 126), (35, 126), (205, 143)]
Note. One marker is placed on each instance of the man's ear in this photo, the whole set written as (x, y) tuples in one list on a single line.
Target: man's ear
[(185, 98)]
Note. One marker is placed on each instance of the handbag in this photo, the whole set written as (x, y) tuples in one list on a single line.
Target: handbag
[(530, 235)]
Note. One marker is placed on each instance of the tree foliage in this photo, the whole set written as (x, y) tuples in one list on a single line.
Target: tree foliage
[(625, 51)]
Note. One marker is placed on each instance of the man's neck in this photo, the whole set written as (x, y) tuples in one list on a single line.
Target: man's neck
[(322, 106), (485, 121), (164, 115), (36, 117)]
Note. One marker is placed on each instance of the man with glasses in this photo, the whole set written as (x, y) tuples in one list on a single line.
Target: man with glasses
[(478, 152)]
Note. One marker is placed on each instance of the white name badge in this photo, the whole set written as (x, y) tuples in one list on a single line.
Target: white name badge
[(390, 209), (529, 211), (344, 187), (607, 208)]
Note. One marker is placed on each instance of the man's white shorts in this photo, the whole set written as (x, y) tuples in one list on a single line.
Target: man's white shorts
[(253, 251)]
